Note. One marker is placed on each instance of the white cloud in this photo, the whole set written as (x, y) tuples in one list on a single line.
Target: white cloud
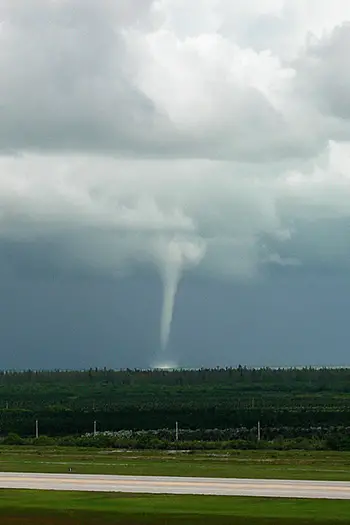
[(134, 122), (324, 75)]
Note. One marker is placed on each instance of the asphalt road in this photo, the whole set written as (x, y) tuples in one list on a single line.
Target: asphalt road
[(174, 485)]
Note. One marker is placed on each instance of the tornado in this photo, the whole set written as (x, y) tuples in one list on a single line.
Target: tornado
[(179, 254), (170, 286)]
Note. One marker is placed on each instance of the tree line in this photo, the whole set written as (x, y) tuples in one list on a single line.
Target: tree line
[(289, 403)]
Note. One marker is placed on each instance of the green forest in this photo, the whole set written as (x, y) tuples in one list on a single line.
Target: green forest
[(208, 404)]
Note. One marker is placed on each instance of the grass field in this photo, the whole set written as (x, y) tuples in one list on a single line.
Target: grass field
[(65, 508), (247, 464), (58, 508)]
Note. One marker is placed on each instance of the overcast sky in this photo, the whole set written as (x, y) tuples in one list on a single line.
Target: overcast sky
[(174, 153)]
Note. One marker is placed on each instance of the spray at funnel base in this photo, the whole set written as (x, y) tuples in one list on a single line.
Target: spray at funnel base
[(165, 365)]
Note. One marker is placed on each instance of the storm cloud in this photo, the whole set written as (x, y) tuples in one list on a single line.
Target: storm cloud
[(128, 126)]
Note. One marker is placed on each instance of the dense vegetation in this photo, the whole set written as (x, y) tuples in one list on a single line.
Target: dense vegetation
[(307, 403)]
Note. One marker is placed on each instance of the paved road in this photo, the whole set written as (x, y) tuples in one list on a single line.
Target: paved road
[(175, 485)]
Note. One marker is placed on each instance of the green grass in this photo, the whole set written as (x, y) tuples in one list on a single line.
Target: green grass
[(67, 508), (39, 507), (246, 464)]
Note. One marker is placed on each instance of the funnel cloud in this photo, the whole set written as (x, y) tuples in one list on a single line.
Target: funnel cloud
[(179, 254)]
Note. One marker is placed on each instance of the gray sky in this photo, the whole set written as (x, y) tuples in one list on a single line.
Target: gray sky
[(145, 151)]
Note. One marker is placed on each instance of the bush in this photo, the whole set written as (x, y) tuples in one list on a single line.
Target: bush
[(13, 439), (43, 441)]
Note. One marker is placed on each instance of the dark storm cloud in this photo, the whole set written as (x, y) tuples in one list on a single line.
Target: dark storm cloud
[(286, 321), (143, 148)]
